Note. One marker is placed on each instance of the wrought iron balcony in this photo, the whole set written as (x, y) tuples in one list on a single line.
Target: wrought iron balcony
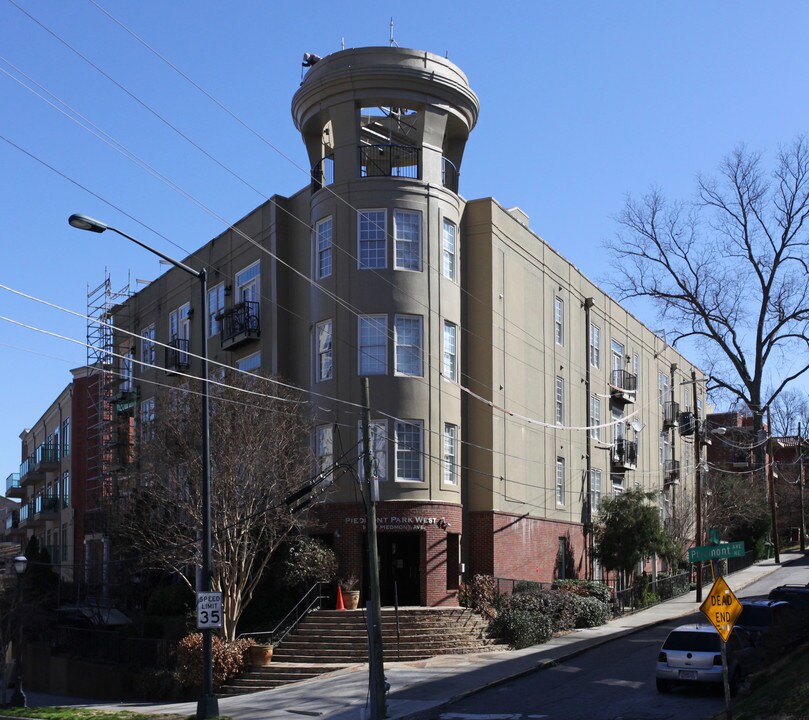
[(390, 161), (323, 173), (671, 415), (177, 357), (240, 324), (624, 454), (688, 423), (13, 487), (46, 507), (449, 175), (623, 386), (672, 472)]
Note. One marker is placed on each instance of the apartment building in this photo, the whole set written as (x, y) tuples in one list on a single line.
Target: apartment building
[(509, 394)]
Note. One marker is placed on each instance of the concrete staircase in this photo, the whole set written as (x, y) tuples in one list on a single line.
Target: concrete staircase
[(329, 640)]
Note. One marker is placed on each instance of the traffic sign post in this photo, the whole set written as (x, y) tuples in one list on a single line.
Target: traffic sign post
[(209, 610), (722, 608)]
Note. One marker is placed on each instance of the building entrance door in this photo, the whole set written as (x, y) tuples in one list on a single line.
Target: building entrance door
[(400, 568)]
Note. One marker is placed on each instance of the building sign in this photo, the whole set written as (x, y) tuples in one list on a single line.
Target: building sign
[(400, 522)]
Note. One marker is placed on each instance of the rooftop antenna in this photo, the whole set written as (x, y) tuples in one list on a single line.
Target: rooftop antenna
[(393, 42)]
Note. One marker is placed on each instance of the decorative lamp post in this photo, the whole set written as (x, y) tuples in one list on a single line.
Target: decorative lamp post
[(208, 705), (18, 698)]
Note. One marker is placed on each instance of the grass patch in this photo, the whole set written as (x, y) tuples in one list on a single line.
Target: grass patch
[(79, 713), (782, 695)]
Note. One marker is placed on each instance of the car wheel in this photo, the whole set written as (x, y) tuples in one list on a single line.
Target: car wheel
[(663, 686)]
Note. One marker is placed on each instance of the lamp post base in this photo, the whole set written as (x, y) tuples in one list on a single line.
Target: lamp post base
[(207, 707)]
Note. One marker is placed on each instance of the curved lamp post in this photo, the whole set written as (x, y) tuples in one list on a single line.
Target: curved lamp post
[(208, 705), (18, 698)]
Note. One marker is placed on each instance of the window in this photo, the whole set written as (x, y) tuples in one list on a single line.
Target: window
[(617, 350), (378, 431), (595, 345), (248, 283), (408, 450), (407, 341), (323, 233), (559, 320), (560, 481), (636, 368), (407, 239), (450, 351), (147, 417), (66, 489), (324, 447), (560, 400), (216, 306), (699, 407), (64, 542), (372, 229), (373, 348), (323, 352), (450, 454), (561, 559), (595, 417), (595, 488), (249, 363), (147, 346), (66, 437), (449, 245), (662, 387), (125, 369), (180, 331)]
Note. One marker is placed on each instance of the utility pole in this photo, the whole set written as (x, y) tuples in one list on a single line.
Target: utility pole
[(771, 485), (800, 485), (376, 669), (697, 482)]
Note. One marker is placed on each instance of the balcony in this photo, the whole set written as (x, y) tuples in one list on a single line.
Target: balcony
[(26, 514), (177, 357), (34, 467), (323, 173), (671, 470), (240, 324), (13, 523), (46, 507), (390, 161), (623, 386), (624, 454), (671, 415), (13, 487), (688, 423), (449, 175)]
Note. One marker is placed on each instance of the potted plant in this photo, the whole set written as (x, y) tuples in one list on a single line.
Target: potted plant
[(349, 585), (260, 654)]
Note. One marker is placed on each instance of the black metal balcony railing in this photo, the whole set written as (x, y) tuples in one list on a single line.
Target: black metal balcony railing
[(625, 453), (688, 423), (46, 504), (671, 414), (623, 385), (672, 471), (47, 454), (390, 161), (323, 173), (239, 323), (449, 174), (177, 357), (12, 482)]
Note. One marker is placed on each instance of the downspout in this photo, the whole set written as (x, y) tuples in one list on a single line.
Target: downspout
[(588, 500)]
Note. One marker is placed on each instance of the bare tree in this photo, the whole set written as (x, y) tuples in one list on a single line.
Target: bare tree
[(729, 271), (259, 457), (790, 411)]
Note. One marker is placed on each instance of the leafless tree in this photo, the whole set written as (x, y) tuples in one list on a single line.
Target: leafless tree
[(729, 271), (790, 411), (736, 507), (259, 457)]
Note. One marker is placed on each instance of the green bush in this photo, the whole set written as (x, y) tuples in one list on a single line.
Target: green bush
[(228, 659), (308, 561), (585, 588), (480, 594), (522, 628), (591, 612)]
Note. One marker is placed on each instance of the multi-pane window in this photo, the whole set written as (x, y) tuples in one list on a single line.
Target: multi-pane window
[(407, 336), (378, 431), (449, 247), (559, 320), (595, 417), (617, 351), (636, 368), (373, 344), (66, 437), (323, 352), (147, 419), (249, 363), (371, 238), (450, 454), (662, 387), (595, 345), (408, 450), (324, 446), (560, 400), (147, 345), (595, 488), (66, 488), (216, 306), (323, 233), (125, 369), (248, 283), (180, 331), (560, 481), (407, 239), (450, 351)]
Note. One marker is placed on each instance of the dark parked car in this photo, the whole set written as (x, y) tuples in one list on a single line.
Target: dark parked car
[(693, 654), (775, 626), (796, 595)]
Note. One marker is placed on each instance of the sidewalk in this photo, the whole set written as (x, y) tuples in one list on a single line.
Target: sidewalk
[(419, 689)]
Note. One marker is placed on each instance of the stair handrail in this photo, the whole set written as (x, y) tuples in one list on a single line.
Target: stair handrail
[(279, 632)]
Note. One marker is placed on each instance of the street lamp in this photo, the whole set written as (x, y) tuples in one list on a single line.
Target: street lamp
[(18, 698), (208, 705)]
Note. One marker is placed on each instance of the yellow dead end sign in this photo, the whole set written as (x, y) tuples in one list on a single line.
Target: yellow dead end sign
[(722, 608)]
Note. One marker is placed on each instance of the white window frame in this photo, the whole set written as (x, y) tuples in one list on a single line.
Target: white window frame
[(248, 283), (595, 417), (216, 306), (595, 345), (406, 453), (372, 236), (324, 231), (450, 351), (408, 356), (369, 363), (406, 249), (249, 363), (560, 400), (449, 250), (560, 482), (180, 329), (147, 345), (559, 320), (636, 368), (324, 354), (66, 437), (662, 387), (617, 352), (147, 420), (595, 488), (450, 470)]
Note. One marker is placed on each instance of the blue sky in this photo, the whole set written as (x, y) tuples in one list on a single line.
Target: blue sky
[(581, 103)]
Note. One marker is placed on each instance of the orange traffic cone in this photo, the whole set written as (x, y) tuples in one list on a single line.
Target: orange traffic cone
[(340, 605)]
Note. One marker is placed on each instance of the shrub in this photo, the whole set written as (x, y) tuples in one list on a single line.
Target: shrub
[(481, 595), (308, 561), (522, 628), (585, 588), (591, 612), (228, 659), (559, 607)]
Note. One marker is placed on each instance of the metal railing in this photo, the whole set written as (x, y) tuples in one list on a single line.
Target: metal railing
[(671, 414), (12, 481), (390, 161), (642, 595), (623, 382), (241, 319), (177, 357), (323, 173), (625, 453), (449, 175), (47, 454), (311, 601)]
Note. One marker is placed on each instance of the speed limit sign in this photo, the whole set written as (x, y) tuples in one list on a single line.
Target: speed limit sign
[(209, 610)]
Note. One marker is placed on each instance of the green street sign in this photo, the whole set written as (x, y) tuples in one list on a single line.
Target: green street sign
[(716, 552), (713, 536)]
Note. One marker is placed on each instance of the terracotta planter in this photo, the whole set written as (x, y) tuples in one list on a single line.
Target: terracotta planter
[(260, 655), (351, 598)]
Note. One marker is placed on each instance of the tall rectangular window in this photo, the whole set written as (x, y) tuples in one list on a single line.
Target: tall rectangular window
[(180, 331), (324, 447), (65, 489), (64, 542), (595, 417), (450, 351), (559, 320), (560, 400), (560, 481), (636, 368), (408, 450), (216, 306), (450, 454), (407, 239), (662, 387), (323, 232), (595, 345), (595, 488), (323, 351), (147, 419), (449, 248), (248, 283), (407, 338), (373, 344), (372, 240), (66, 437), (249, 363), (125, 369), (147, 346)]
